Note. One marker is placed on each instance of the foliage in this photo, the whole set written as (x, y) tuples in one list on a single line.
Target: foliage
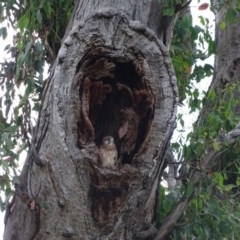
[(173, 6), (214, 210), (222, 118), (210, 215), (188, 47), (216, 203), (232, 13), (166, 203), (207, 217), (38, 27)]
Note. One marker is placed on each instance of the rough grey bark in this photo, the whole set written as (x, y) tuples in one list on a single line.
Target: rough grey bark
[(227, 58), (114, 59)]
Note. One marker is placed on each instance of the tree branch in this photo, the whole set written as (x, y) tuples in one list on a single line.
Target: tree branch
[(208, 159)]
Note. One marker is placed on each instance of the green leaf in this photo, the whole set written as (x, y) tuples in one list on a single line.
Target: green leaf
[(161, 193), (176, 146), (38, 48), (219, 179), (202, 20), (212, 94), (30, 87), (11, 129), (48, 9), (36, 107), (23, 22), (3, 32), (216, 145), (199, 231), (222, 25), (196, 93), (238, 181), (4, 164), (7, 47), (231, 15), (27, 52), (190, 189), (5, 137), (166, 205), (208, 69), (39, 16), (169, 11), (38, 66), (19, 120), (181, 122), (229, 187), (19, 65), (23, 101)]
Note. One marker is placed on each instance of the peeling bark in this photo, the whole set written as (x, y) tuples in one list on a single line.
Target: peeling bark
[(110, 69)]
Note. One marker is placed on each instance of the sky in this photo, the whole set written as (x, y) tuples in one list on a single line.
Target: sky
[(189, 118)]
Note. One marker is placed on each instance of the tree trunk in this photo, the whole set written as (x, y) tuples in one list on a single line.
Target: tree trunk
[(113, 77), (225, 88), (226, 67)]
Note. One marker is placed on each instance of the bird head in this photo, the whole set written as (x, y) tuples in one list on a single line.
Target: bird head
[(108, 140)]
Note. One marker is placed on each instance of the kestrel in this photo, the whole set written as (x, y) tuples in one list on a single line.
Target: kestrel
[(108, 152)]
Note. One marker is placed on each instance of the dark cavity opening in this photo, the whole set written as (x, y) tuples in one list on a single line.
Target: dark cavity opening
[(116, 101)]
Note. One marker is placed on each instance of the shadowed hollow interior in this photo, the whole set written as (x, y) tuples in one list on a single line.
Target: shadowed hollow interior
[(116, 100)]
